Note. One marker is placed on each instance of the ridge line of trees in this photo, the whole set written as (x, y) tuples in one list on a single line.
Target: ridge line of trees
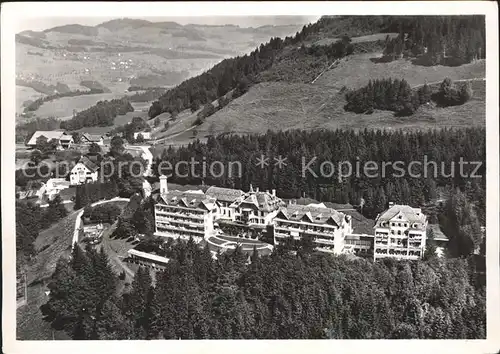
[(397, 95), (102, 114), (33, 106)]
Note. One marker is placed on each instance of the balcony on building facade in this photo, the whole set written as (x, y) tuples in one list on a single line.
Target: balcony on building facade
[(322, 241), (179, 218), (326, 249), (183, 236), (284, 236), (162, 227), (361, 244), (179, 212), (305, 227)]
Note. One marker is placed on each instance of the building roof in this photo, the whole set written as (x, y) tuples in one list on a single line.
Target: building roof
[(88, 163), (360, 223), (438, 234), (49, 134), (263, 201), (312, 214), (189, 199), (57, 182), (66, 137), (92, 137), (413, 215), (152, 257), (225, 194)]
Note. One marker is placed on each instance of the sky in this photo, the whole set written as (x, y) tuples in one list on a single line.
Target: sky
[(42, 23)]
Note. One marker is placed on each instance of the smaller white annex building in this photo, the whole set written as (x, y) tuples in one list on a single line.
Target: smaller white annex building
[(84, 171), (400, 232), (145, 135)]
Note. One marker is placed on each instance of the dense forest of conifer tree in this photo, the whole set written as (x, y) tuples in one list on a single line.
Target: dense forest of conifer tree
[(397, 95), (450, 40), (282, 296), (442, 148)]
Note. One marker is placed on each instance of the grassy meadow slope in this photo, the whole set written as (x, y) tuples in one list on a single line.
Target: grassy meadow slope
[(62, 108), (277, 105), (356, 70)]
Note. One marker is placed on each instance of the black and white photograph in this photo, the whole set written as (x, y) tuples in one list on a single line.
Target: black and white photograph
[(264, 171)]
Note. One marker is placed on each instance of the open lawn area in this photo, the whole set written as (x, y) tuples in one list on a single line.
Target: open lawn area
[(119, 120), (355, 71), (360, 39), (62, 108), (283, 106), (24, 94)]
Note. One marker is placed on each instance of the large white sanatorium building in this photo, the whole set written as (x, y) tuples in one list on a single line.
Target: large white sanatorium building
[(327, 226), (399, 231), (184, 214)]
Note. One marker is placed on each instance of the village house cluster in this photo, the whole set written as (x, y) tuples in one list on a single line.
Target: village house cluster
[(399, 232), (87, 169)]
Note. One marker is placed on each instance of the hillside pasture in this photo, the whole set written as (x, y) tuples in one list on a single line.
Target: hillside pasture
[(119, 120), (360, 39), (355, 71), (281, 106), (62, 108), (24, 94)]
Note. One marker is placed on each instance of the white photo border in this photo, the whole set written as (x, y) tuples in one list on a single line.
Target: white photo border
[(12, 13)]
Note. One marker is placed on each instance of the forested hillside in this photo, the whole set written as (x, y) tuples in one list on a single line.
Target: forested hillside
[(308, 296), (461, 37)]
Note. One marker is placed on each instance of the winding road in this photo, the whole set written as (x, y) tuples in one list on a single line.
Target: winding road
[(78, 220), (113, 257)]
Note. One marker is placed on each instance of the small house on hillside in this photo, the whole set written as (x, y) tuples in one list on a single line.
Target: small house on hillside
[(64, 141), (145, 135), (92, 138), (84, 171)]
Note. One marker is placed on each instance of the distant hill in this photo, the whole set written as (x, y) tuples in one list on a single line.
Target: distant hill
[(119, 24), (75, 29), (119, 51), (33, 34)]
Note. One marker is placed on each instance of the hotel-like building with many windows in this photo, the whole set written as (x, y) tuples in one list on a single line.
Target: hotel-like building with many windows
[(326, 226), (184, 214), (399, 232)]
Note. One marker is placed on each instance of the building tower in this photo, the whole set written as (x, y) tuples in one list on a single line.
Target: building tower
[(163, 185)]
